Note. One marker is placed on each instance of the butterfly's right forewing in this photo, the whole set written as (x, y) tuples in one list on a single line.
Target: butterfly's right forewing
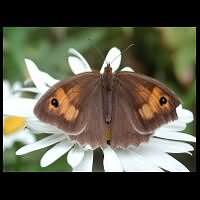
[(124, 132), (140, 106)]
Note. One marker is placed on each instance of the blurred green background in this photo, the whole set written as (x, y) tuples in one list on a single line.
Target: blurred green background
[(167, 54)]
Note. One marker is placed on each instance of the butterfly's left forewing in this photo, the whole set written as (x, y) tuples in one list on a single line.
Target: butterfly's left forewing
[(76, 109)]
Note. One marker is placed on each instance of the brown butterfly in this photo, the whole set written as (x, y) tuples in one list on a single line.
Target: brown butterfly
[(117, 109)]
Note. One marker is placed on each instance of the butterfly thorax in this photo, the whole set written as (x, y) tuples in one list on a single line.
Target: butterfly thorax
[(107, 78)]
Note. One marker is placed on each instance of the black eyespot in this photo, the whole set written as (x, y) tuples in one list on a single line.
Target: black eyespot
[(54, 102), (163, 101)]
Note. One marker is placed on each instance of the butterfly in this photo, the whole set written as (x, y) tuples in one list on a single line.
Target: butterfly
[(117, 109)]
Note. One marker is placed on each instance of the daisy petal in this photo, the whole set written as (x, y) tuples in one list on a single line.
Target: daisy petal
[(77, 54), (113, 58), (55, 153), (7, 142), (189, 153), (24, 136), (77, 66), (77, 62), (163, 160), (184, 115), (168, 146), (24, 107), (133, 162), (171, 164), (173, 126), (49, 80), (34, 90), (17, 85), (45, 142), (87, 147), (40, 127), (36, 76), (111, 162), (75, 156), (6, 89), (86, 164), (127, 69), (175, 136)]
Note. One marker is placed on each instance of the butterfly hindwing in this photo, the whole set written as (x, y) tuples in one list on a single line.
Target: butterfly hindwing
[(94, 133)]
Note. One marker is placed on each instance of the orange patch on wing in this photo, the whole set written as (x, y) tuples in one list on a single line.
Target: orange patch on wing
[(67, 103), (71, 113), (146, 112), (154, 99), (157, 93), (153, 106)]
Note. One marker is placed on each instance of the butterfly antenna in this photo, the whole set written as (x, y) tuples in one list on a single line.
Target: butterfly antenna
[(122, 53), (98, 51)]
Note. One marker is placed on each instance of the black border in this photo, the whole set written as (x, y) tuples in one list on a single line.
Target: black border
[(151, 179), (102, 20)]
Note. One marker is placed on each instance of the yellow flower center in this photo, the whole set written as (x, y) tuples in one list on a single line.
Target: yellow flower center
[(12, 124)]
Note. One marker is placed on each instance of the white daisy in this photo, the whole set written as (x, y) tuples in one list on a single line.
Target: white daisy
[(14, 126), (151, 156)]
